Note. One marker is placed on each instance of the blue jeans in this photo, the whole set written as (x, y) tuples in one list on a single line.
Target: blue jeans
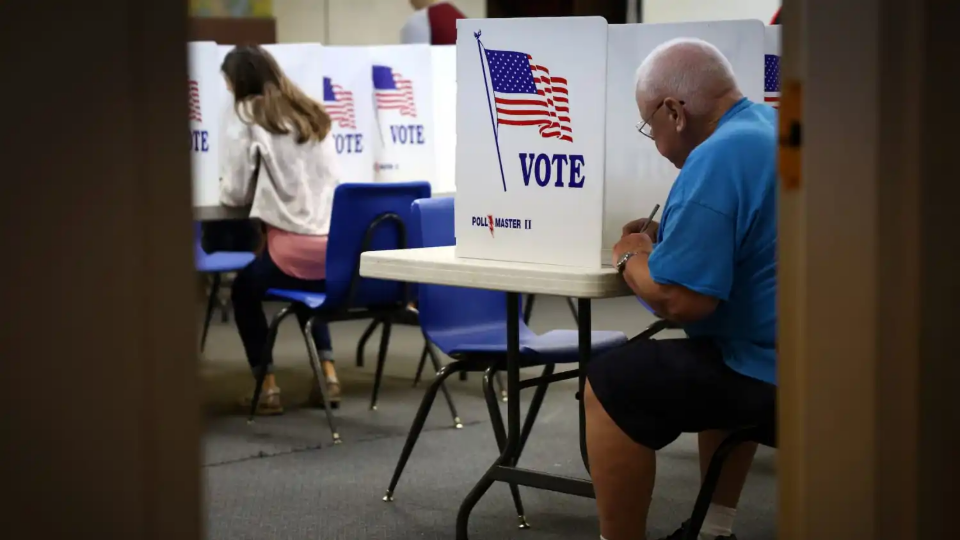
[(249, 290)]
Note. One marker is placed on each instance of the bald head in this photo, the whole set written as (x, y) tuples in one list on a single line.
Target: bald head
[(690, 70)]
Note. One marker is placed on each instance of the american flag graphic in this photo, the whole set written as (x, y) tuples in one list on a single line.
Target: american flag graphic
[(339, 104), (527, 95), (195, 102), (771, 80), (393, 91)]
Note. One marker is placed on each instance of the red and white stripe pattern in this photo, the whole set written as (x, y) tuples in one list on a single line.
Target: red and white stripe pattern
[(400, 98), (341, 109), (195, 115), (526, 94), (771, 80)]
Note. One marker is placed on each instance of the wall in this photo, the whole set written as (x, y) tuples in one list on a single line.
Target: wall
[(655, 11), (350, 22), (231, 8)]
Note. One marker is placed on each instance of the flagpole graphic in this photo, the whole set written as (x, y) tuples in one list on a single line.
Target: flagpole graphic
[(493, 122), (376, 115)]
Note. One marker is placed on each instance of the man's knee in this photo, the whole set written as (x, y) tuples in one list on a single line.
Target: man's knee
[(596, 415)]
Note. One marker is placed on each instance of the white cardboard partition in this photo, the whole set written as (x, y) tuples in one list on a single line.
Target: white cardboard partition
[(444, 67), (430, 128), (348, 98), (771, 66), (637, 176), (403, 101), (303, 64), (204, 86), (339, 78), (530, 149), (224, 97)]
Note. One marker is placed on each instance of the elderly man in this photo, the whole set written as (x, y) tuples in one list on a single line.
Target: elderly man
[(710, 266)]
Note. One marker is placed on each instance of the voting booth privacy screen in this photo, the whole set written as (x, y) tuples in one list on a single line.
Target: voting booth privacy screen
[(403, 102), (381, 101), (204, 109), (348, 98), (771, 66), (531, 122), (637, 176), (443, 63), (565, 201), (530, 139)]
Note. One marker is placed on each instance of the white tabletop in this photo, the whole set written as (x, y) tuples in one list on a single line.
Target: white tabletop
[(439, 266)]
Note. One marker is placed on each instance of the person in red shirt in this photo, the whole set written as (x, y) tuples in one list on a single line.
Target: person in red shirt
[(434, 22)]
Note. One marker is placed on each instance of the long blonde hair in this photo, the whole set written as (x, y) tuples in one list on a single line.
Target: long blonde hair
[(264, 95)]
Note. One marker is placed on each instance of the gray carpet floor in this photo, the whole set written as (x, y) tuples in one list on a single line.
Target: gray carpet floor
[(282, 479)]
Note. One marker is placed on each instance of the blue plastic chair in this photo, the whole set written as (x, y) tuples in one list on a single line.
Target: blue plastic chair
[(470, 325), (216, 263), (366, 217)]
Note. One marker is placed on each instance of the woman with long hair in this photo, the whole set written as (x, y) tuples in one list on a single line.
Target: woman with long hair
[(277, 156)]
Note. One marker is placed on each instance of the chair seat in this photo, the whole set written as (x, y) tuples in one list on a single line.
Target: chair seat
[(223, 261), (312, 300), (554, 347)]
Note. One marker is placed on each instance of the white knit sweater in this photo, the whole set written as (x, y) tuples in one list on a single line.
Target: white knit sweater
[(294, 188)]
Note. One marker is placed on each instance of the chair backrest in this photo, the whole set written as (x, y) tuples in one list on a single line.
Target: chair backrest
[(444, 308), (367, 217), (198, 252)]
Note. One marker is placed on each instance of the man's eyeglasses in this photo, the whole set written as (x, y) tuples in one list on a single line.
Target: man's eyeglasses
[(644, 127)]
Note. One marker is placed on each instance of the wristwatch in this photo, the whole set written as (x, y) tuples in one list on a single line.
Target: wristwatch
[(622, 263)]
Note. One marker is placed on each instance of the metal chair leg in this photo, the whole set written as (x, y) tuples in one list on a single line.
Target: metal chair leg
[(363, 340), (500, 434), (498, 379), (214, 288), (573, 310), (320, 376), (655, 328), (534, 408), (224, 311), (381, 360), (423, 362), (261, 373), (420, 419), (437, 366), (711, 479), (527, 313)]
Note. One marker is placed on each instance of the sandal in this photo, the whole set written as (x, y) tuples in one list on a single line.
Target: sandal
[(331, 389), (269, 402)]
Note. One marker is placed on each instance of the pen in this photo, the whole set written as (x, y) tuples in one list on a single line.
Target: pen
[(653, 213)]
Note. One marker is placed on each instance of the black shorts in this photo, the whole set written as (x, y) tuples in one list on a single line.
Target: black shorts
[(656, 389)]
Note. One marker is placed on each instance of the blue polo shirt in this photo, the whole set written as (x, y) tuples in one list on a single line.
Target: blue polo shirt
[(718, 237)]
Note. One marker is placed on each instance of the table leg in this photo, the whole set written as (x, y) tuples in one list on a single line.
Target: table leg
[(508, 457), (585, 332)]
